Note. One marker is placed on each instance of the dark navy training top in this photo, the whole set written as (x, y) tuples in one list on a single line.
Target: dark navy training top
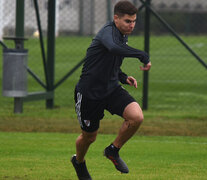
[(101, 71)]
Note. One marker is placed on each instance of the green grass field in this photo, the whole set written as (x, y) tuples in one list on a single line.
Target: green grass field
[(45, 156), (177, 81), (171, 143), (177, 88)]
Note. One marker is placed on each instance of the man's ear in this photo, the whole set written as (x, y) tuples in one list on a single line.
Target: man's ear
[(116, 18)]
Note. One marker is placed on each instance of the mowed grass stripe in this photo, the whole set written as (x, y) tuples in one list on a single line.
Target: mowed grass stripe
[(46, 156)]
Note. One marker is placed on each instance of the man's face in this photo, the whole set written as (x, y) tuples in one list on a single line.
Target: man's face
[(125, 23)]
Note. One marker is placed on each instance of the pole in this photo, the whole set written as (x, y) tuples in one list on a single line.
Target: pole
[(19, 44), (41, 40), (109, 15), (20, 18), (146, 49), (51, 50)]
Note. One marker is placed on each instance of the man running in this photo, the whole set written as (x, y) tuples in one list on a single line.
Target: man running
[(98, 88)]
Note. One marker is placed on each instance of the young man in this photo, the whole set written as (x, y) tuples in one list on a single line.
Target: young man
[(99, 89)]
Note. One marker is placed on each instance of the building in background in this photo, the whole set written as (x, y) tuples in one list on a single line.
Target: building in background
[(85, 17)]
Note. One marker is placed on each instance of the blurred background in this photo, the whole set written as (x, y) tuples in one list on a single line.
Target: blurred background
[(85, 17), (177, 80)]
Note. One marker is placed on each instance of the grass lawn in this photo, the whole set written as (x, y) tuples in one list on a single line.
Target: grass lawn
[(177, 89), (171, 143), (177, 81), (46, 156)]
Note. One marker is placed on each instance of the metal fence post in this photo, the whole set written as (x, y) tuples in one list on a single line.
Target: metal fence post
[(18, 102), (51, 50), (146, 49), (20, 18), (109, 13)]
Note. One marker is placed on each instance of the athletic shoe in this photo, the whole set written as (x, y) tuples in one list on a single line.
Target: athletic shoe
[(119, 164), (81, 169)]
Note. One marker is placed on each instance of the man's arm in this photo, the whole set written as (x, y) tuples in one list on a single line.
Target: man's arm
[(122, 77), (108, 39), (146, 67)]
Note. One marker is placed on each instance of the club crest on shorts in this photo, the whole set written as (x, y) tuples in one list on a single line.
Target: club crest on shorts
[(87, 122)]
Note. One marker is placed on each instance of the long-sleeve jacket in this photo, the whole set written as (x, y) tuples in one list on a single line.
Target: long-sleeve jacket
[(101, 71)]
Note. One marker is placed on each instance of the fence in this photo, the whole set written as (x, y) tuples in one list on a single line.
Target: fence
[(177, 80), (85, 16)]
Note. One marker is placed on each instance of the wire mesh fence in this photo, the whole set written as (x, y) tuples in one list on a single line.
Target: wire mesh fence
[(177, 80)]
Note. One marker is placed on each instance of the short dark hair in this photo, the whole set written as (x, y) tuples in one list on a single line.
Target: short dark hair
[(124, 7)]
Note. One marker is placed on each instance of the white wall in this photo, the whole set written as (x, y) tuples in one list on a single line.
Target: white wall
[(1, 19)]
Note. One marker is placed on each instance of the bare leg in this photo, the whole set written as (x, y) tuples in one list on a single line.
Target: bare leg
[(82, 144), (133, 118)]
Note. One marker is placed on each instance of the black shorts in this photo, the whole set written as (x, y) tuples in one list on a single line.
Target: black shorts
[(90, 112)]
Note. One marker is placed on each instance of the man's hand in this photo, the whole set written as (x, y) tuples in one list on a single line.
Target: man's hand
[(132, 81), (146, 67)]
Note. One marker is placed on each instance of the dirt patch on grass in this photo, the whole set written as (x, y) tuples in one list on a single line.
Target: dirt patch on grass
[(151, 126), (161, 126)]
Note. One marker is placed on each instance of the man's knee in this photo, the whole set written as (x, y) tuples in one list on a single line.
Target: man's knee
[(133, 114), (89, 137), (137, 119)]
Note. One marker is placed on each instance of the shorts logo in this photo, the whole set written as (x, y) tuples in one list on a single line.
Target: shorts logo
[(87, 122)]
